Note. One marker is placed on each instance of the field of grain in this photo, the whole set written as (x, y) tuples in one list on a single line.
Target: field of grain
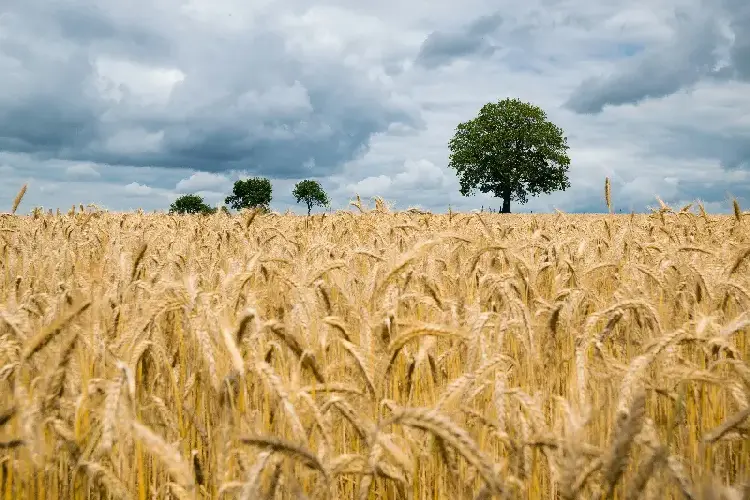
[(370, 354)]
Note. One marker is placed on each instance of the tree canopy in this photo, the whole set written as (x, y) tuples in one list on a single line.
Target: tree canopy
[(510, 150), (311, 193), (190, 204), (249, 193)]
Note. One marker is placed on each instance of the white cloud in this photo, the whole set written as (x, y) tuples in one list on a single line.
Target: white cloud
[(212, 198), (118, 77), (370, 186), (137, 189), (82, 171), (421, 174), (200, 181)]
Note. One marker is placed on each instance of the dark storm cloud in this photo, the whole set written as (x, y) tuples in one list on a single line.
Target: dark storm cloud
[(442, 48), (246, 101), (691, 56)]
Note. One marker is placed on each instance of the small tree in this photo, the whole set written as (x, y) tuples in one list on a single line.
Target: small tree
[(511, 151), (190, 204), (311, 193), (248, 193)]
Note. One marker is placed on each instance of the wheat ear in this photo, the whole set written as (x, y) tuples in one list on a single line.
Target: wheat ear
[(442, 427)]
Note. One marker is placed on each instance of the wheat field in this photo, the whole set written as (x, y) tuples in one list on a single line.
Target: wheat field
[(372, 354)]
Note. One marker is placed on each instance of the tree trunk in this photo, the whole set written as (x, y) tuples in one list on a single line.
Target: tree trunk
[(309, 209), (506, 202)]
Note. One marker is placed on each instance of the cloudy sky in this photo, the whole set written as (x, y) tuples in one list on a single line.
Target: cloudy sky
[(130, 104)]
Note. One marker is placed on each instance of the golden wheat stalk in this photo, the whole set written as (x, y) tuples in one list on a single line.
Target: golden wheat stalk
[(41, 339), (18, 198), (730, 423), (169, 456), (442, 427), (628, 427), (289, 449)]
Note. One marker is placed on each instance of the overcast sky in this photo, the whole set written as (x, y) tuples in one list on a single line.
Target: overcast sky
[(130, 104)]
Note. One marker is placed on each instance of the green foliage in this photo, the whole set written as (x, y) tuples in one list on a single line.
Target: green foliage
[(311, 193), (510, 150), (250, 193), (190, 204)]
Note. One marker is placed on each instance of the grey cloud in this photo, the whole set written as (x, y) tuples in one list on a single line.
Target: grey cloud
[(689, 141), (740, 25), (246, 102), (739, 157), (442, 48), (731, 149), (23, 166), (716, 191), (88, 25), (44, 98), (693, 55), (652, 74)]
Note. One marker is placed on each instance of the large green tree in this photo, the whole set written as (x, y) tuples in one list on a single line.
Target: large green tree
[(190, 204), (250, 193), (311, 192), (510, 150)]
